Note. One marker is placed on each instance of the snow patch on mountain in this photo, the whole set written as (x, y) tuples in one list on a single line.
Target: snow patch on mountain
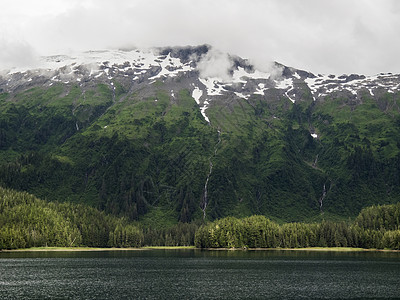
[(261, 89), (108, 64), (170, 67), (296, 75), (323, 85), (196, 94), (284, 84), (241, 95), (214, 85), (287, 85), (241, 75), (94, 59), (203, 110)]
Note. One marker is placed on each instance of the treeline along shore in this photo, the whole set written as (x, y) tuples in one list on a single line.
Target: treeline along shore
[(26, 221), (368, 231)]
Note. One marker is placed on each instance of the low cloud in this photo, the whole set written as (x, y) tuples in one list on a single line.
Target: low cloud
[(275, 70), (215, 64), (14, 54), (341, 36)]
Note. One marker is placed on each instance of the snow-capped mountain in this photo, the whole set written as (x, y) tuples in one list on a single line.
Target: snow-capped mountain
[(193, 133), (209, 74)]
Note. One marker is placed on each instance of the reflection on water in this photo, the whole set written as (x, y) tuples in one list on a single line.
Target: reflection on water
[(196, 274)]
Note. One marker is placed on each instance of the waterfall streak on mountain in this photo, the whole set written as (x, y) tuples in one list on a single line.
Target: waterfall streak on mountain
[(322, 197), (205, 199)]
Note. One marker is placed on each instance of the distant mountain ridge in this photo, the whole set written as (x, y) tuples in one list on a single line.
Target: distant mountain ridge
[(144, 66), (185, 133)]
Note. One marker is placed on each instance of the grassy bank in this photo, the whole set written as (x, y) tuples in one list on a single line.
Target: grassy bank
[(315, 249), (330, 249), (39, 249), (321, 249), (168, 247)]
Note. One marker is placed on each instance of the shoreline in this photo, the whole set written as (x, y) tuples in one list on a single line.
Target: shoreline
[(314, 249), (146, 248), (68, 249), (94, 249)]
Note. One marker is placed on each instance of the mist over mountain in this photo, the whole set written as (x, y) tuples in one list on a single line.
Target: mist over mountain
[(188, 133)]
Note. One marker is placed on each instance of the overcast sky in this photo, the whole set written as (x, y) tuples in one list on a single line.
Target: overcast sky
[(336, 36)]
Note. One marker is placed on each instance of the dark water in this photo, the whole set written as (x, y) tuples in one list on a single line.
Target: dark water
[(195, 274)]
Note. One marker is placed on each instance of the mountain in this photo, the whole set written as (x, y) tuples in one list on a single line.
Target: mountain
[(189, 133)]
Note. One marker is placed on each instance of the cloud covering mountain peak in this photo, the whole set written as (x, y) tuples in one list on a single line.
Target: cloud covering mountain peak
[(336, 37)]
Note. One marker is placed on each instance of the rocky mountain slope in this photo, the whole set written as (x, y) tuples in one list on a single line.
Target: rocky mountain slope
[(178, 134)]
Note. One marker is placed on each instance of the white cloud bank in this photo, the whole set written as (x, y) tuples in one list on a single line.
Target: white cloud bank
[(341, 36), (15, 53), (215, 64)]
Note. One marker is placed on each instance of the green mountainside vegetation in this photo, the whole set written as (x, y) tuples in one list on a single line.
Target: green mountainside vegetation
[(145, 155), (124, 135), (130, 159), (144, 148)]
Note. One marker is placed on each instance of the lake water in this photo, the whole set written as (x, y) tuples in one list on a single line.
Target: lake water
[(195, 274)]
